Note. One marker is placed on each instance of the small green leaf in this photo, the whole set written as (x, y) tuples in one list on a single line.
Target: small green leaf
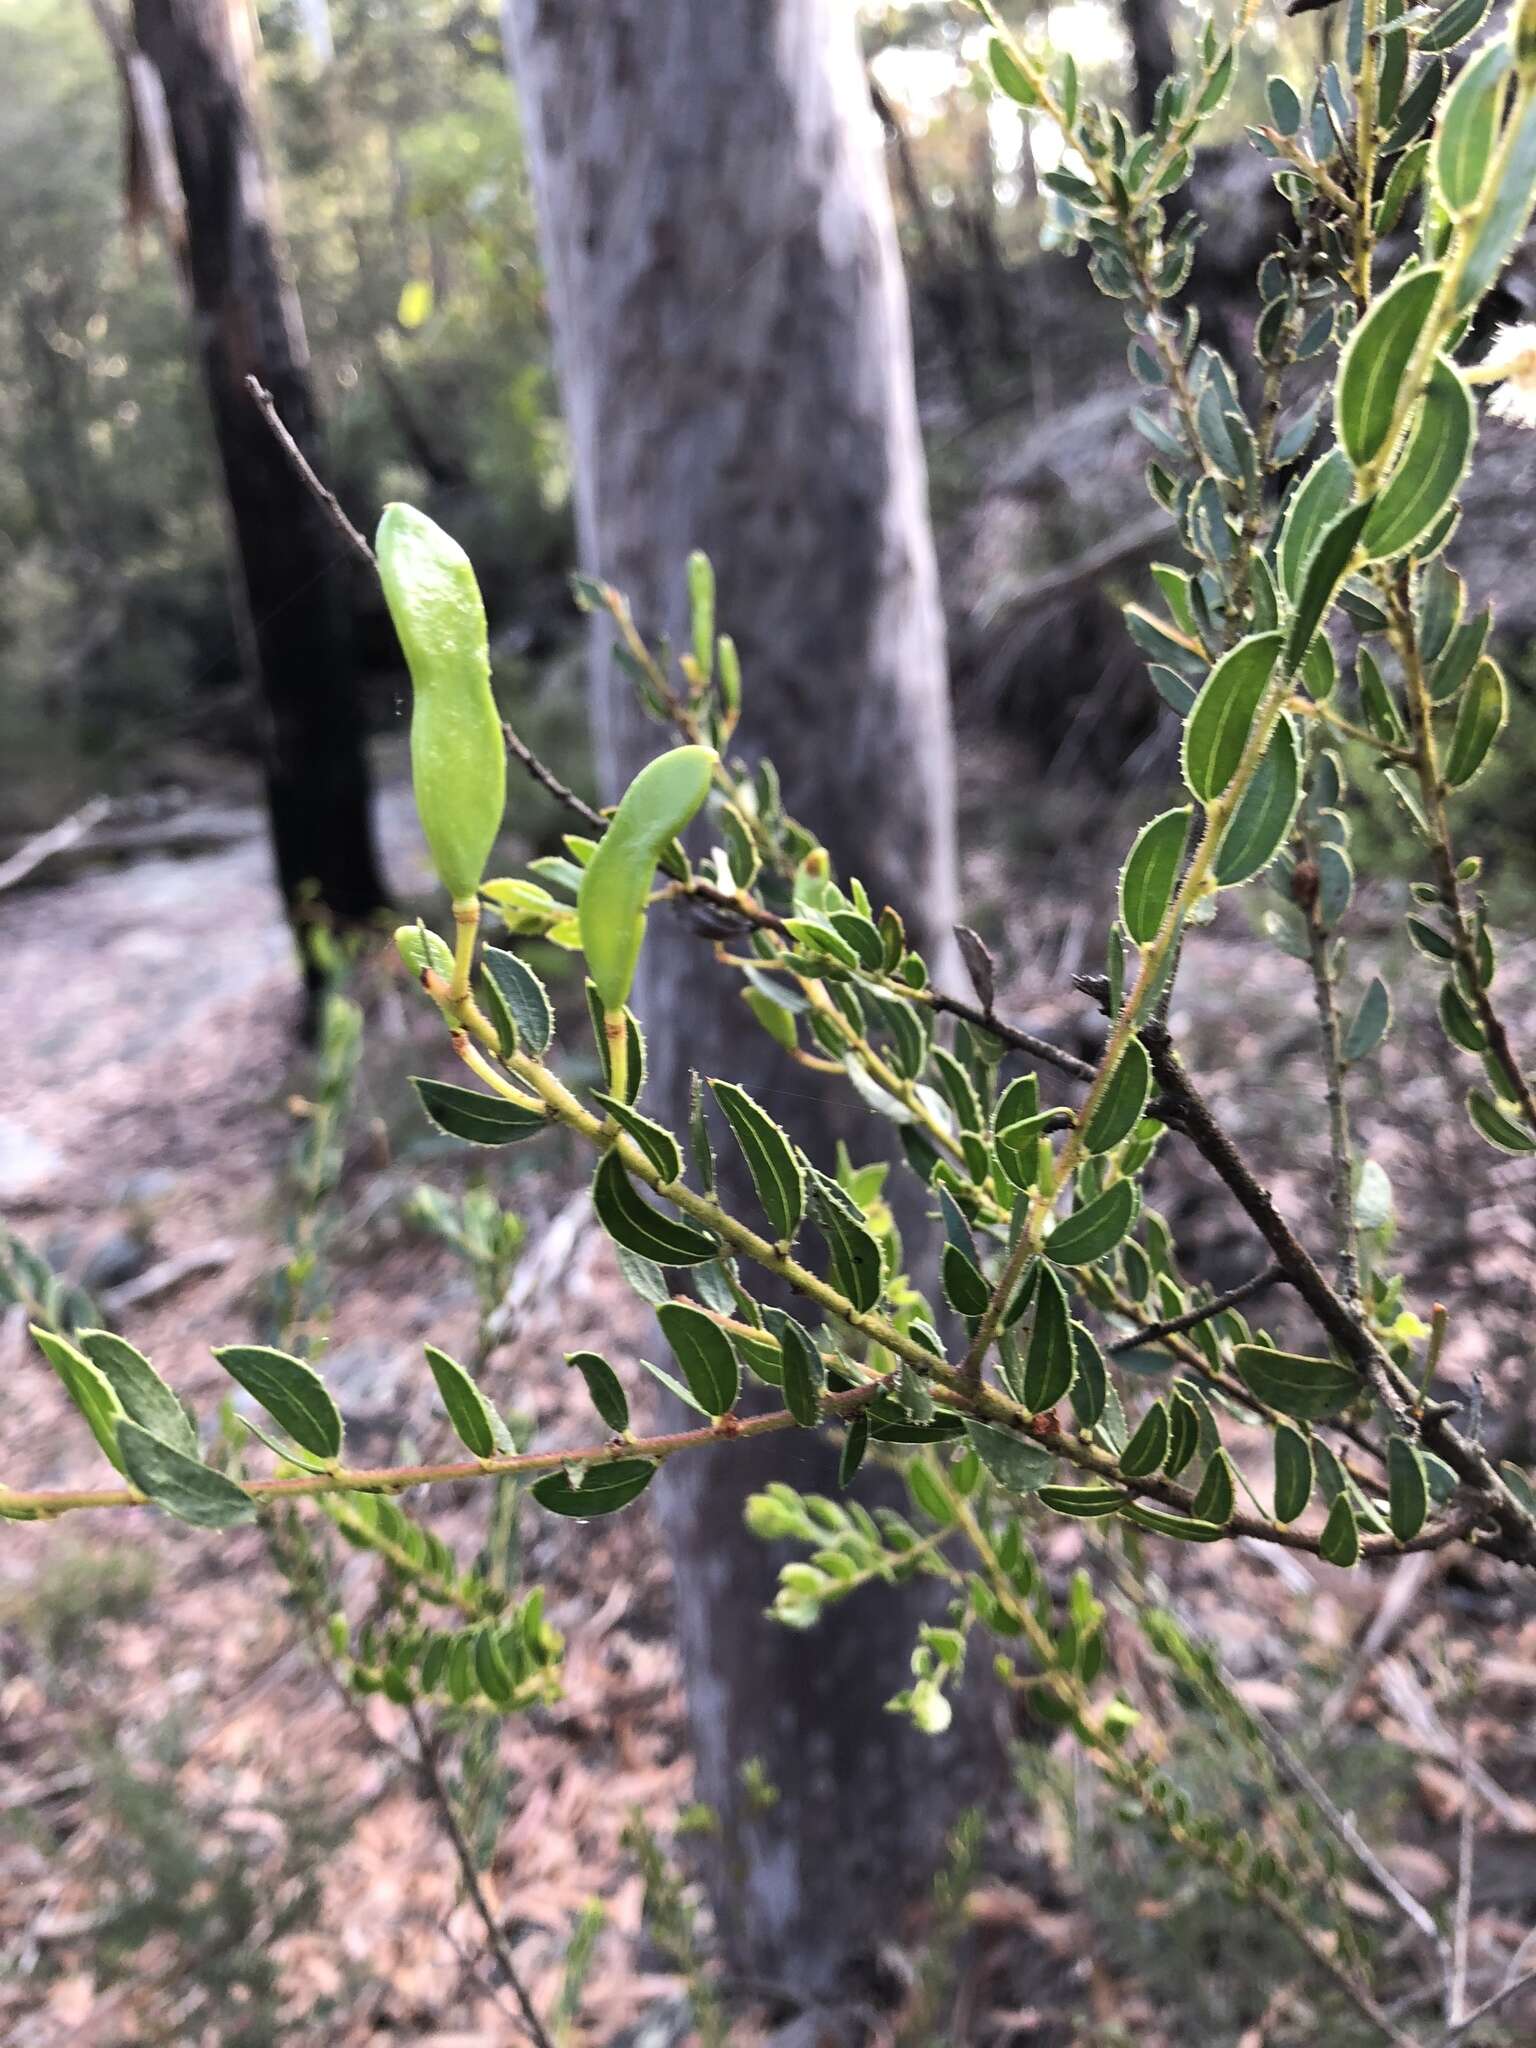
[(654, 1139), (1407, 1489), (87, 1386), (1375, 361), (478, 1119), (1084, 1503), (1217, 1495), (1259, 825), (805, 1376), (1467, 126), (1370, 1022), (1148, 1447), (603, 1489), (705, 1353), (857, 1271), (183, 1486), (1504, 220), (1305, 1387), (144, 1396), (634, 1224), (771, 1159), (1120, 1107), (1051, 1357), (1219, 725), (964, 1288), (525, 996), (1010, 74), (1293, 1473), (1340, 1541), (1327, 566), (604, 1387), (1428, 473), (1150, 873), (1093, 1231), (1017, 1464), (1492, 1123), (293, 1394), (1090, 1383), (1180, 1527), (1479, 717), (475, 1422), (1317, 501)]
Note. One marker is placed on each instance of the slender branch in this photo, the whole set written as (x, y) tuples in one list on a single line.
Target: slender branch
[(46, 1503), (1202, 1312), (1489, 2006), (1305, 888), (326, 498), (442, 1800)]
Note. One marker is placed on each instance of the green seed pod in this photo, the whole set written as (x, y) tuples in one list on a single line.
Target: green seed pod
[(421, 949), (458, 760), (617, 880)]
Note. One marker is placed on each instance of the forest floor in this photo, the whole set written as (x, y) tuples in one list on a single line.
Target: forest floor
[(200, 1842)]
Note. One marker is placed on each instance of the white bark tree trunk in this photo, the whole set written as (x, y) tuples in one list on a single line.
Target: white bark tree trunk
[(732, 337)]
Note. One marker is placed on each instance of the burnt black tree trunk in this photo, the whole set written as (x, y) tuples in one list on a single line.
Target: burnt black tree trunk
[(1152, 57), (732, 335), (292, 581)]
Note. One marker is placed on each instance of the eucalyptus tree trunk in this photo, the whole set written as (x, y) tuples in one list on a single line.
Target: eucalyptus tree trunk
[(227, 237), (732, 336)]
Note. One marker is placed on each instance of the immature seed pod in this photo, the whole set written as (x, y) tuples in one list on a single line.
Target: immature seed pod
[(617, 880), (458, 760)]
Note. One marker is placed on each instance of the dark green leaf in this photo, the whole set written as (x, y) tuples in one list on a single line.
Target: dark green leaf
[(524, 996), (1454, 24), (1090, 1384), (1183, 1432), (603, 1489), (1085, 1503), (1051, 1356), (1218, 727), (1148, 1447), (964, 1288), (1375, 361), (1479, 717), (1263, 816), (1180, 1527), (1150, 872), (1492, 1123), (805, 1376), (1293, 1473), (1094, 1230), (475, 1422), (1120, 1106), (1217, 1496), (1340, 1540), (852, 1248), (634, 1224), (1370, 1022), (654, 1140), (1305, 1387), (1466, 128), (1318, 500), (1428, 472), (771, 1159), (705, 1353), (183, 1486), (144, 1396), (292, 1392), (1407, 1489), (603, 1385), (87, 1386), (1327, 565), (1504, 222), (478, 1119)]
